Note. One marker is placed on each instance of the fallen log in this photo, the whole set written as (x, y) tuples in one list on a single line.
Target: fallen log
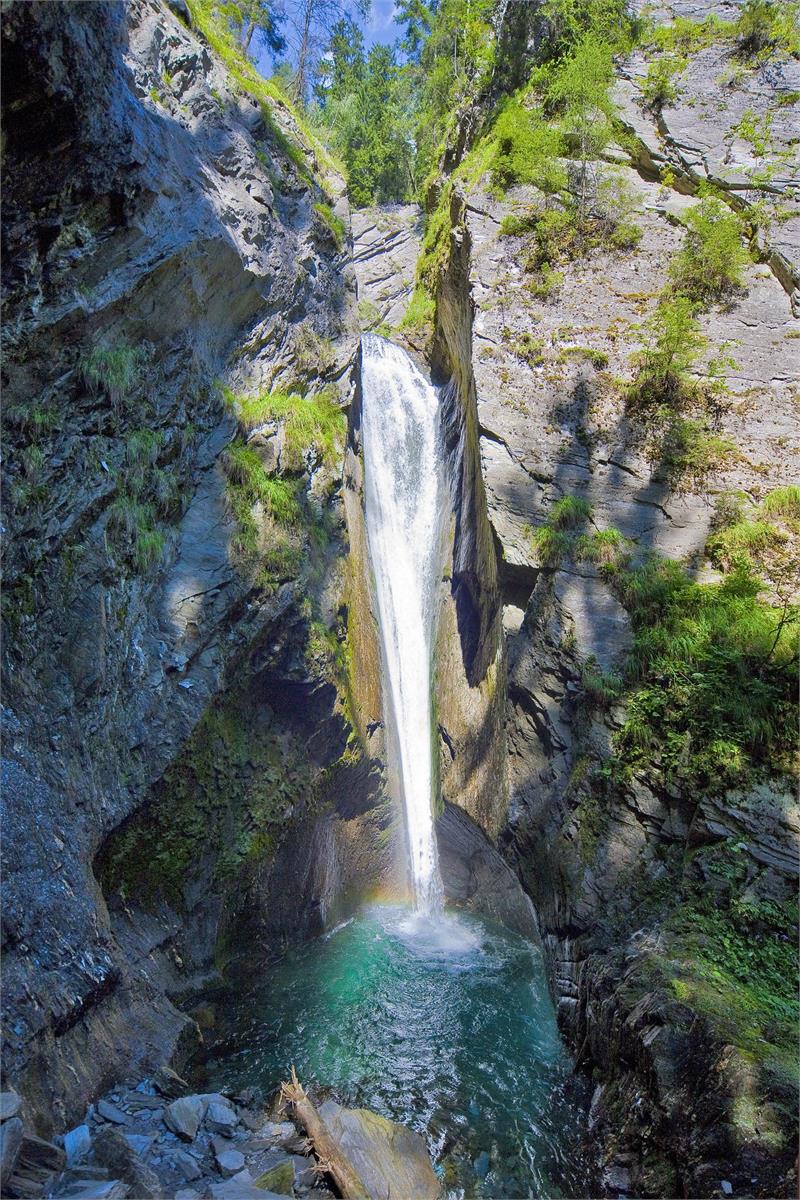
[(331, 1158)]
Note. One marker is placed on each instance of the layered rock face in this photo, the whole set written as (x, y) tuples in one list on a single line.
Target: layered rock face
[(160, 235), (685, 1098)]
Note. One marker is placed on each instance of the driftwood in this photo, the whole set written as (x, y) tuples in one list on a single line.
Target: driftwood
[(331, 1158)]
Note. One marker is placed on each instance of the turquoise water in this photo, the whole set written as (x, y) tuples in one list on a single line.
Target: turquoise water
[(446, 1026)]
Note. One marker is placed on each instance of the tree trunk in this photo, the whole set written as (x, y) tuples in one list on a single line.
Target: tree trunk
[(304, 52), (326, 1147)]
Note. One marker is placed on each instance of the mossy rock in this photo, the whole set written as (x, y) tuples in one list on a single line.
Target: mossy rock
[(278, 1179)]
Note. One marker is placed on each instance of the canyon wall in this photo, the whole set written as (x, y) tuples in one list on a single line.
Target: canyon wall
[(176, 709)]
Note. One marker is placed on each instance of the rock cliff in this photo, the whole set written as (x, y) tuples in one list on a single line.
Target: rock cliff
[(168, 228)]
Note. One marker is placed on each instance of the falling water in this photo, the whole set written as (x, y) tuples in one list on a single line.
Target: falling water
[(404, 493)]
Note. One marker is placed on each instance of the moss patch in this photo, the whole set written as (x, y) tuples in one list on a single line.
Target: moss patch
[(226, 798)]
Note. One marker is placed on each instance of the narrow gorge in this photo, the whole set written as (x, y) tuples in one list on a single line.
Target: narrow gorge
[(400, 607)]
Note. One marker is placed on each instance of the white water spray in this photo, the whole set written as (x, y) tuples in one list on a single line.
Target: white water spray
[(404, 492)]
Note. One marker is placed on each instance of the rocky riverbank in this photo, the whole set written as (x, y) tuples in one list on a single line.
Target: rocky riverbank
[(159, 1140)]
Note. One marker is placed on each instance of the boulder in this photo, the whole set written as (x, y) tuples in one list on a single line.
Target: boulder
[(96, 1189), (140, 1143), (390, 1159), (278, 1179), (10, 1105), (221, 1117), (183, 1116), (110, 1112), (113, 1151), (229, 1161), (169, 1083), (235, 1189), (187, 1165), (77, 1144), (11, 1133)]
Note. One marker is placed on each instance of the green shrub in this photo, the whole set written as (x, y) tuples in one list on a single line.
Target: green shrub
[(601, 688), (748, 540), (529, 349), (687, 451), (569, 512), (314, 423), (247, 474), (658, 86), (566, 23), (551, 545), (132, 524), (598, 358), (116, 371), (335, 225), (608, 548), (672, 344), (684, 36), (783, 502), (545, 282), (712, 261), (710, 664), (528, 150), (766, 26)]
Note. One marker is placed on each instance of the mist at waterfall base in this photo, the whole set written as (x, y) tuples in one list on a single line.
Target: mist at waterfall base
[(437, 1020), (453, 1035)]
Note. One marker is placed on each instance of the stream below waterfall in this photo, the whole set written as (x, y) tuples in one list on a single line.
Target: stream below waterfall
[(445, 1025)]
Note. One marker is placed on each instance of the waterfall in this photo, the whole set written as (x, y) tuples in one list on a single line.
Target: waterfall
[(404, 504)]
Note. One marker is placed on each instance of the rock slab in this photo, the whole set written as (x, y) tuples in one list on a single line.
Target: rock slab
[(390, 1159)]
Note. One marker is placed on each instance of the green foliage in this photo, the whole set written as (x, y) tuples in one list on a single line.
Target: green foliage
[(766, 27), (252, 484), (528, 148), (712, 261), (684, 36), (737, 965), (758, 536), (335, 225), (456, 61), (569, 512), (133, 524), (216, 29), (311, 423), (421, 310), (557, 537), (567, 23), (366, 113), (783, 502), (687, 451), (529, 349), (432, 262), (658, 87), (598, 358), (116, 371), (552, 546), (711, 674), (601, 688), (672, 345), (545, 282), (607, 548), (579, 92)]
